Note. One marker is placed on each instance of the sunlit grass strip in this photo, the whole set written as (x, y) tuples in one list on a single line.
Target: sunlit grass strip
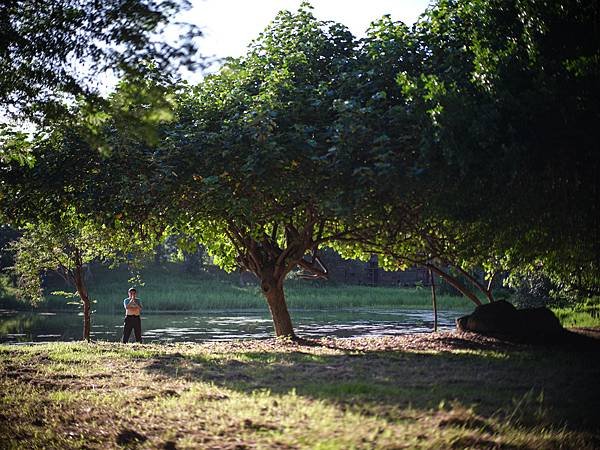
[(212, 295)]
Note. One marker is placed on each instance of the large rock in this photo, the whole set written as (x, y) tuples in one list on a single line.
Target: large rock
[(501, 319), (492, 318), (539, 324)]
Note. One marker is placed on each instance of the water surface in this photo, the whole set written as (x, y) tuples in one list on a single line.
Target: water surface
[(18, 327)]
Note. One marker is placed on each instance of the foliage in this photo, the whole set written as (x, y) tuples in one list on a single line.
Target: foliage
[(534, 291), (255, 140), (488, 161), (56, 52), (509, 108), (254, 150), (122, 187), (63, 247), (75, 204), (380, 139)]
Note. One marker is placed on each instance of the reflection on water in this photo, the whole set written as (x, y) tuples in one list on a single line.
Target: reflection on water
[(220, 325)]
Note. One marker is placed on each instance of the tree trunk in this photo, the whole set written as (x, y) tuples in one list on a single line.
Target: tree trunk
[(455, 284), (273, 291), (434, 300), (83, 295), (86, 318)]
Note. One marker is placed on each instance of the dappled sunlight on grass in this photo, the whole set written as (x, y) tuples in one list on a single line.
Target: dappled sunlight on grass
[(378, 393)]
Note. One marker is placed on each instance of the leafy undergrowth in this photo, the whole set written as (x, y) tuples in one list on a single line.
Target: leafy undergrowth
[(444, 390)]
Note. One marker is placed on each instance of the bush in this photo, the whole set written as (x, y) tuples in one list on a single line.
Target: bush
[(8, 294), (534, 291)]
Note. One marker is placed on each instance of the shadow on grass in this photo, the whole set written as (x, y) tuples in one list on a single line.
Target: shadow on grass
[(510, 382)]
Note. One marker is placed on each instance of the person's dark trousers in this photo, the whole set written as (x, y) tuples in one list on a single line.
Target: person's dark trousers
[(132, 323)]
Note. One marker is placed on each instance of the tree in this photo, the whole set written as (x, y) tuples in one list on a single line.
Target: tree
[(464, 135), (65, 247), (509, 96), (52, 52), (254, 146), (76, 205), (379, 140)]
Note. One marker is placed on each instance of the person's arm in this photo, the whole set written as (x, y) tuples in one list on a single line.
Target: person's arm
[(133, 307)]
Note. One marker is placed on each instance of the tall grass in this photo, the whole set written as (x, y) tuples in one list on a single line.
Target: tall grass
[(170, 289), (574, 317)]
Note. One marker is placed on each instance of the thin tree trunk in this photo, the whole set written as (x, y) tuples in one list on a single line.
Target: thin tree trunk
[(86, 318), (487, 292), (455, 284), (489, 288), (273, 291), (434, 300), (83, 295)]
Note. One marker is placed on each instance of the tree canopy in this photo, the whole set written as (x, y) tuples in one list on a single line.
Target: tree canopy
[(53, 53), (66, 247), (75, 205), (501, 162), (508, 95), (255, 146)]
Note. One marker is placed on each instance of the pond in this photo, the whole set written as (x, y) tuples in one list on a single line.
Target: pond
[(19, 327)]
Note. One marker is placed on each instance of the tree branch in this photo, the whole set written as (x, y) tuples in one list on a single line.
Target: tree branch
[(316, 271)]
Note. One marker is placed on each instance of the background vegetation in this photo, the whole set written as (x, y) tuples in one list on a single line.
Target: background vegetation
[(170, 288)]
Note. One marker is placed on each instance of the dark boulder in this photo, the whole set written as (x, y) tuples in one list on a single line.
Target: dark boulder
[(539, 324), (491, 318), (501, 319)]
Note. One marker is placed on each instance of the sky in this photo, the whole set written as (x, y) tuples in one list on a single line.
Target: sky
[(230, 25)]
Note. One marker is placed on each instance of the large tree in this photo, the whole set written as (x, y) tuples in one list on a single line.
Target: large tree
[(255, 145), (478, 138), (509, 97)]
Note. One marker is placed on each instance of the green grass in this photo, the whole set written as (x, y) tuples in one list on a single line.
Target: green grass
[(578, 317), (170, 289), (270, 394)]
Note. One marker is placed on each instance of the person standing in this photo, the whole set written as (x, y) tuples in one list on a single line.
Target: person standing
[(133, 310)]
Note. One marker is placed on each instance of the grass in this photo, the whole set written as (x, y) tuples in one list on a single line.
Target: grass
[(578, 317), (169, 289), (414, 392)]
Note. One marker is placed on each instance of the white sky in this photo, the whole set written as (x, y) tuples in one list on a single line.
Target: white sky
[(230, 25)]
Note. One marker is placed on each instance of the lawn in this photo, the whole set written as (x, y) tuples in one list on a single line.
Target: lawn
[(444, 390)]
